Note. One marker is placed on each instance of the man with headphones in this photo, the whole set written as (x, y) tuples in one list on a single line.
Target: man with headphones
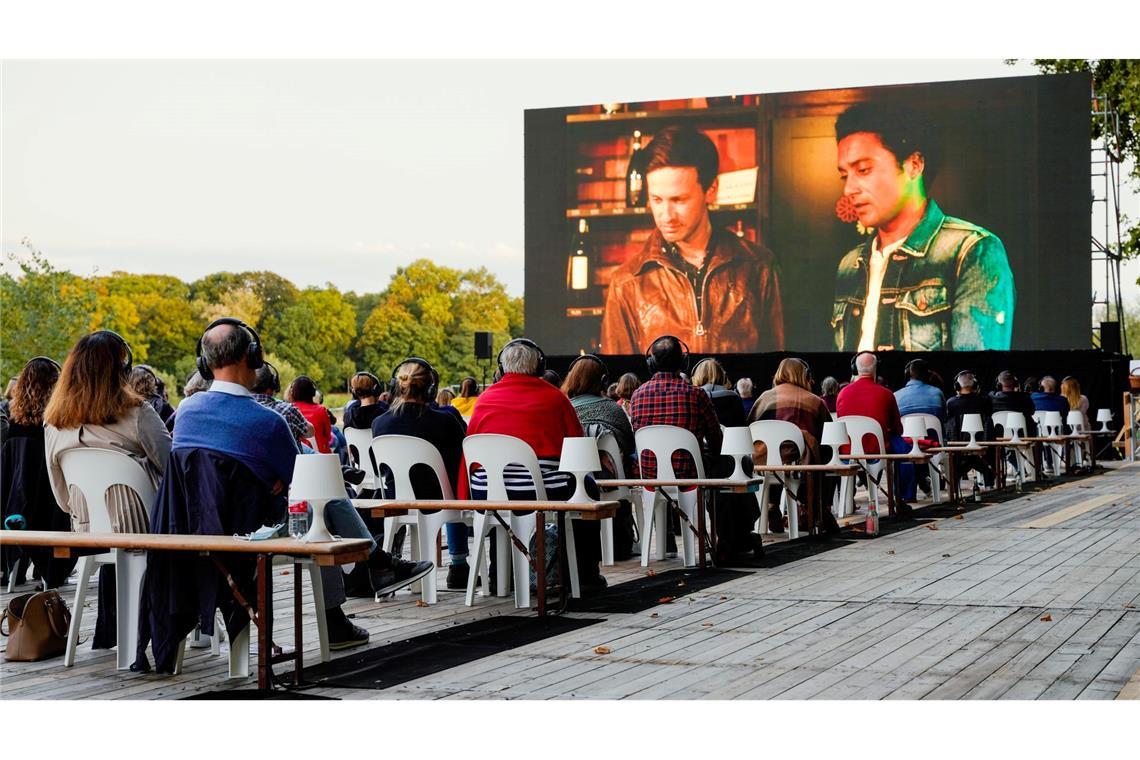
[(267, 383), (523, 405), (970, 401), (717, 291), (918, 396)]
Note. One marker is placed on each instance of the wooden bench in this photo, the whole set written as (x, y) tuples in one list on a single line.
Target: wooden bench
[(65, 544)]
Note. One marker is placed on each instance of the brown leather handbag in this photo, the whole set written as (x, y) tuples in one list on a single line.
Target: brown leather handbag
[(37, 627)]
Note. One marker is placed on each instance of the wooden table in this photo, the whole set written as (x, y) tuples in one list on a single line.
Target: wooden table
[(890, 459), (810, 470), (952, 453), (594, 510), (1001, 444), (326, 554), (712, 486)]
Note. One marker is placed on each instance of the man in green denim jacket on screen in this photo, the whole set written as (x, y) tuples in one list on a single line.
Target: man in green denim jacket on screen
[(924, 281)]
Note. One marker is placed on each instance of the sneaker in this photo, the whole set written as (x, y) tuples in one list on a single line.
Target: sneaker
[(402, 573), (398, 541), (591, 586), (457, 574), (904, 510), (343, 633)]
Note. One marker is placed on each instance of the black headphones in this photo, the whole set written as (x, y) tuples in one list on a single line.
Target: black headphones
[(593, 358), (854, 370), (48, 359), (394, 385), (274, 377), (807, 367), (524, 342), (253, 356), (910, 365), (651, 360), (368, 392), (958, 384)]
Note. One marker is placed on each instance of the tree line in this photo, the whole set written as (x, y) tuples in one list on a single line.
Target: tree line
[(427, 310)]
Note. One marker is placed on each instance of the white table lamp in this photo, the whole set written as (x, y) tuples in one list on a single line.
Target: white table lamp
[(580, 457), (1014, 424), (1076, 420), (1053, 423), (317, 479), (973, 425), (834, 435), (1104, 416), (737, 444), (914, 428)]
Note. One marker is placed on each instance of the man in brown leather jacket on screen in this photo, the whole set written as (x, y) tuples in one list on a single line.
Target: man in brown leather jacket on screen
[(706, 286)]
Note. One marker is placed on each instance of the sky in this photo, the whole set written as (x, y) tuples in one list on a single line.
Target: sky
[(323, 171)]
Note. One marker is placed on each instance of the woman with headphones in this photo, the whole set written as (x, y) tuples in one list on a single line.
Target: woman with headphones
[(365, 389), (302, 393)]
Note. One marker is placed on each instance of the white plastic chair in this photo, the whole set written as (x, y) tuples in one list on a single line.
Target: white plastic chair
[(933, 423), (493, 453), (1076, 422), (607, 443), (859, 426), (400, 453), (94, 471), (359, 440), (662, 441), (772, 433), (1013, 423)]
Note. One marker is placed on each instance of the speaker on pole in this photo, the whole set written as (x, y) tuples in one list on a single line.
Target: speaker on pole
[(483, 347), (1110, 337)]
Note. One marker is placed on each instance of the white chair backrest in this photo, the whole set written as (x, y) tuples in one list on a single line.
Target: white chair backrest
[(663, 440), (402, 452), (931, 422), (93, 471), (607, 443), (772, 433), (1013, 421), (859, 426), (359, 440), (1051, 421), (1076, 420), (998, 418), (494, 452)]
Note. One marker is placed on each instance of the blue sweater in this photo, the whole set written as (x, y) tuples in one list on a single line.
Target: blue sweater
[(241, 428)]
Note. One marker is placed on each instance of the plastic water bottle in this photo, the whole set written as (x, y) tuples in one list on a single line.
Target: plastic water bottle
[(977, 497), (298, 519), (871, 527)]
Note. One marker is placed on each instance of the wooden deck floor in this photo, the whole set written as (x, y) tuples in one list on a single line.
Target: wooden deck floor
[(1034, 598)]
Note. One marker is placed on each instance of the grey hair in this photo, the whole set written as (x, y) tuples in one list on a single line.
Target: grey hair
[(829, 386), (1049, 384), (195, 384), (744, 386), (520, 358), (224, 345), (866, 363)]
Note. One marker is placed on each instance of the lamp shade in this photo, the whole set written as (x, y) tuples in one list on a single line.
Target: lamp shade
[(1076, 420), (972, 424), (1104, 415), (317, 476), (580, 455), (737, 442), (1053, 422), (835, 434)]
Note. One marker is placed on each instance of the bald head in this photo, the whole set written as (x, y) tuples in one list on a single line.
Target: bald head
[(224, 348), (865, 364)]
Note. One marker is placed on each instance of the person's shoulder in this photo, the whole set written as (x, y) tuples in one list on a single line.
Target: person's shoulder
[(632, 267), (745, 252)]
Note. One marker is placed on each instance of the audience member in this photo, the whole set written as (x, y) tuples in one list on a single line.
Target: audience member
[(710, 377), (866, 397), (7, 400), (1031, 385), (1048, 399), (365, 389), (829, 391), (744, 389), (919, 396), (25, 488), (445, 397), (553, 378), (1008, 398), (597, 413), (468, 395), (791, 399), (524, 405), (626, 385), (411, 414), (611, 393), (146, 383), (302, 393), (266, 383), (1071, 390), (969, 401)]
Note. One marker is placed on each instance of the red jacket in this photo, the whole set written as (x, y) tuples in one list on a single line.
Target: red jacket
[(528, 408), (869, 399), (319, 417)]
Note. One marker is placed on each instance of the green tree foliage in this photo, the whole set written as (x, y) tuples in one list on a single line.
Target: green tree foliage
[(433, 312), (44, 310), (1118, 82), (166, 319), (313, 334), (273, 292)]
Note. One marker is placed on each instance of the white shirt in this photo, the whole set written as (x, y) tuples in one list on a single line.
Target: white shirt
[(222, 386), (878, 269)]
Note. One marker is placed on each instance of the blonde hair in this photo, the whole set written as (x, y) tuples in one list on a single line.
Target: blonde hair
[(92, 387), (444, 397), (794, 371), (412, 382), (1071, 390), (710, 371)]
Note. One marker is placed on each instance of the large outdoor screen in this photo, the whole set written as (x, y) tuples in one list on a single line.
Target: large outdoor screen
[(929, 217)]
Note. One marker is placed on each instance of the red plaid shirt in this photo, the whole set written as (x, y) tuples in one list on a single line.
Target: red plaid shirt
[(666, 399)]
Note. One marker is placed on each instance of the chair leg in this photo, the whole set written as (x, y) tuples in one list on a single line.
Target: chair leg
[(129, 569), (648, 501), (239, 653), (608, 541), (12, 571), (524, 527), (425, 549), (572, 560), (689, 505), (178, 657), (478, 557), (390, 528), (791, 512), (86, 568), (762, 502), (319, 604)]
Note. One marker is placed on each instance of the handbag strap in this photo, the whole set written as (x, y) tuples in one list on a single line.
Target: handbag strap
[(49, 605), (3, 618)]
